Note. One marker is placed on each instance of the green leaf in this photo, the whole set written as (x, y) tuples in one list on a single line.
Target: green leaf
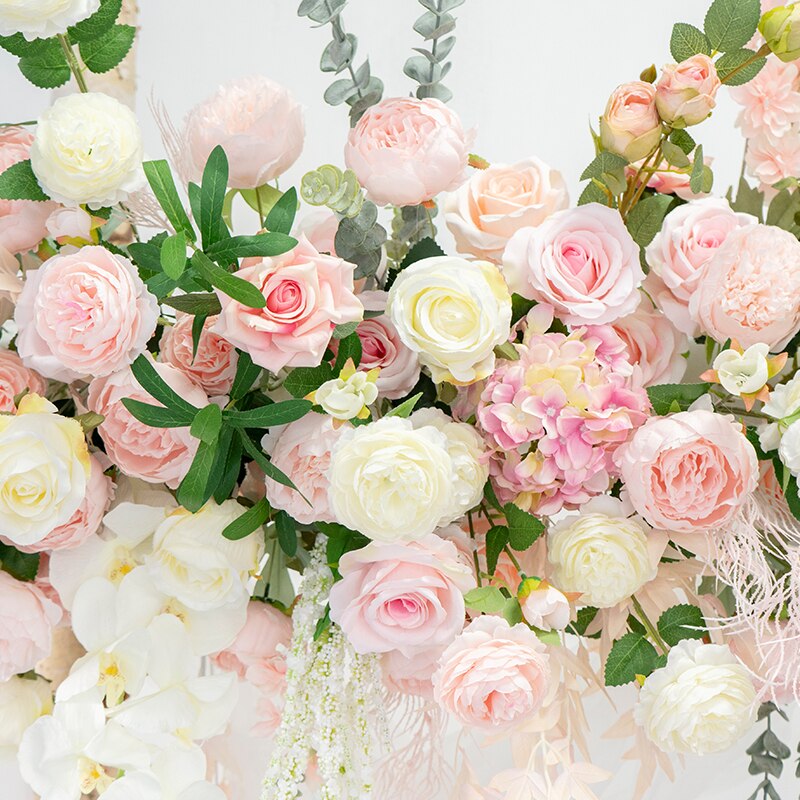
[(159, 176), (732, 61), (604, 163), (207, 424), (349, 347), (304, 380), (149, 379), (286, 528), (250, 521), (630, 656), (264, 245), (681, 622), (730, 24), (246, 375), (203, 304), (197, 486), (488, 599), (323, 623), (343, 330), (687, 41), (663, 395), (520, 306), (268, 416), (523, 528), (46, 67), (22, 566), (341, 540), (584, 618), (406, 407), (229, 463), (674, 155), (107, 51), (270, 470), (593, 193), (101, 21), (281, 217), (19, 183), (18, 45), (158, 416), (424, 248), (239, 290), (775, 746), (748, 200), (261, 199), (512, 614), (496, 540), (198, 324), (647, 216), (173, 255), (213, 188), (782, 209), (683, 139)]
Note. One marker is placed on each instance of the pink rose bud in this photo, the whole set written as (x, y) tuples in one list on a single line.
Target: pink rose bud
[(630, 125), (686, 91), (543, 606)]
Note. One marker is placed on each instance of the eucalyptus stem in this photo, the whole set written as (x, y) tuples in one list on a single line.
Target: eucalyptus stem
[(72, 61), (649, 627), (339, 35)]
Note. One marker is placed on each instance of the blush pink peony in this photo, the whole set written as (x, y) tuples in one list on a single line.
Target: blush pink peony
[(582, 261), (213, 366), (690, 471), (84, 314), (27, 619), (406, 597), (405, 151), (256, 122), (307, 295), (71, 226), (771, 101), (15, 378), (750, 289), (156, 455), (493, 675)]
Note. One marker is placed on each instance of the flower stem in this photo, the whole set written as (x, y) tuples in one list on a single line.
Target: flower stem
[(513, 559), (649, 627), (72, 61), (762, 52), (474, 548)]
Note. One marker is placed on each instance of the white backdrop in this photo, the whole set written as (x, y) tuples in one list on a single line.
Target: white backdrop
[(529, 75)]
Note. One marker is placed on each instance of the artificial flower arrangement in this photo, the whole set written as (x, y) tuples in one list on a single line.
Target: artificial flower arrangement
[(370, 480)]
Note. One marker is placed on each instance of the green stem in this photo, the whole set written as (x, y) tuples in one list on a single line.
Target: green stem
[(17, 124), (762, 52), (72, 61), (513, 559), (474, 548), (649, 627), (339, 35)]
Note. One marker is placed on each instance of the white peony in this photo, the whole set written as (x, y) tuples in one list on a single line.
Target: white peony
[(392, 482), (88, 150), (602, 553), (743, 373), (453, 312), (41, 19), (22, 702), (701, 702)]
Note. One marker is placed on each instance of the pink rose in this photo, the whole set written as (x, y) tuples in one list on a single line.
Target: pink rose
[(308, 294), (750, 289), (771, 160), (15, 378), (22, 222), (686, 92), (667, 180), (654, 344), (405, 151), (66, 225), (319, 227), (406, 597), (302, 450), (257, 123), (771, 101), (582, 261), (156, 455), (411, 674), (689, 237), (27, 619), (486, 211), (544, 606), (84, 314), (213, 366), (630, 125), (10, 284), (690, 471), (493, 675)]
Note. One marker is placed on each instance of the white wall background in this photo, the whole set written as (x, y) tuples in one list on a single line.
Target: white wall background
[(529, 75)]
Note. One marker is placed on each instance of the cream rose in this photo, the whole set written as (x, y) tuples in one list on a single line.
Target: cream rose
[(44, 469), (701, 702), (391, 482), (603, 553), (41, 19), (22, 702), (453, 313), (88, 150)]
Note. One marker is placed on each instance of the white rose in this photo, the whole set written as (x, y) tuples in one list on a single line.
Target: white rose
[(602, 553), (22, 702), (453, 312), (543, 606), (88, 150), (41, 19), (743, 373), (789, 449), (701, 702), (193, 562), (346, 398), (391, 482), (784, 401), (466, 449), (44, 470)]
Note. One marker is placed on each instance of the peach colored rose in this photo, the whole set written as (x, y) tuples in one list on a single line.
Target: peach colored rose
[(10, 284), (750, 289), (689, 237), (401, 596), (686, 92), (84, 314), (493, 675), (411, 674), (213, 366), (308, 294), (156, 455), (256, 121), (27, 619), (302, 450), (630, 125), (690, 471), (22, 222), (486, 211), (15, 378), (405, 151), (582, 261), (654, 344)]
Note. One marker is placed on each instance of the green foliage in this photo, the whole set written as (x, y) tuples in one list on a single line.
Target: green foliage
[(406, 407), (286, 528), (22, 566), (702, 178), (46, 66), (684, 394), (213, 189), (606, 174), (105, 52), (301, 381), (360, 239), (202, 303), (584, 618), (268, 416), (159, 176), (329, 186), (496, 540), (98, 24), (731, 70), (226, 251), (630, 656), (207, 424), (687, 41), (683, 139), (158, 416), (730, 24), (18, 182), (246, 375), (173, 256), (647, 216), (197, 487), (281, 217), (767, 755), (748, 200), (341, 540), (349, 347), (252, 519), (145, 373), (488, 599), (240, 290), (681, 622), (784, 210), (424, 248), (523, 528)]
